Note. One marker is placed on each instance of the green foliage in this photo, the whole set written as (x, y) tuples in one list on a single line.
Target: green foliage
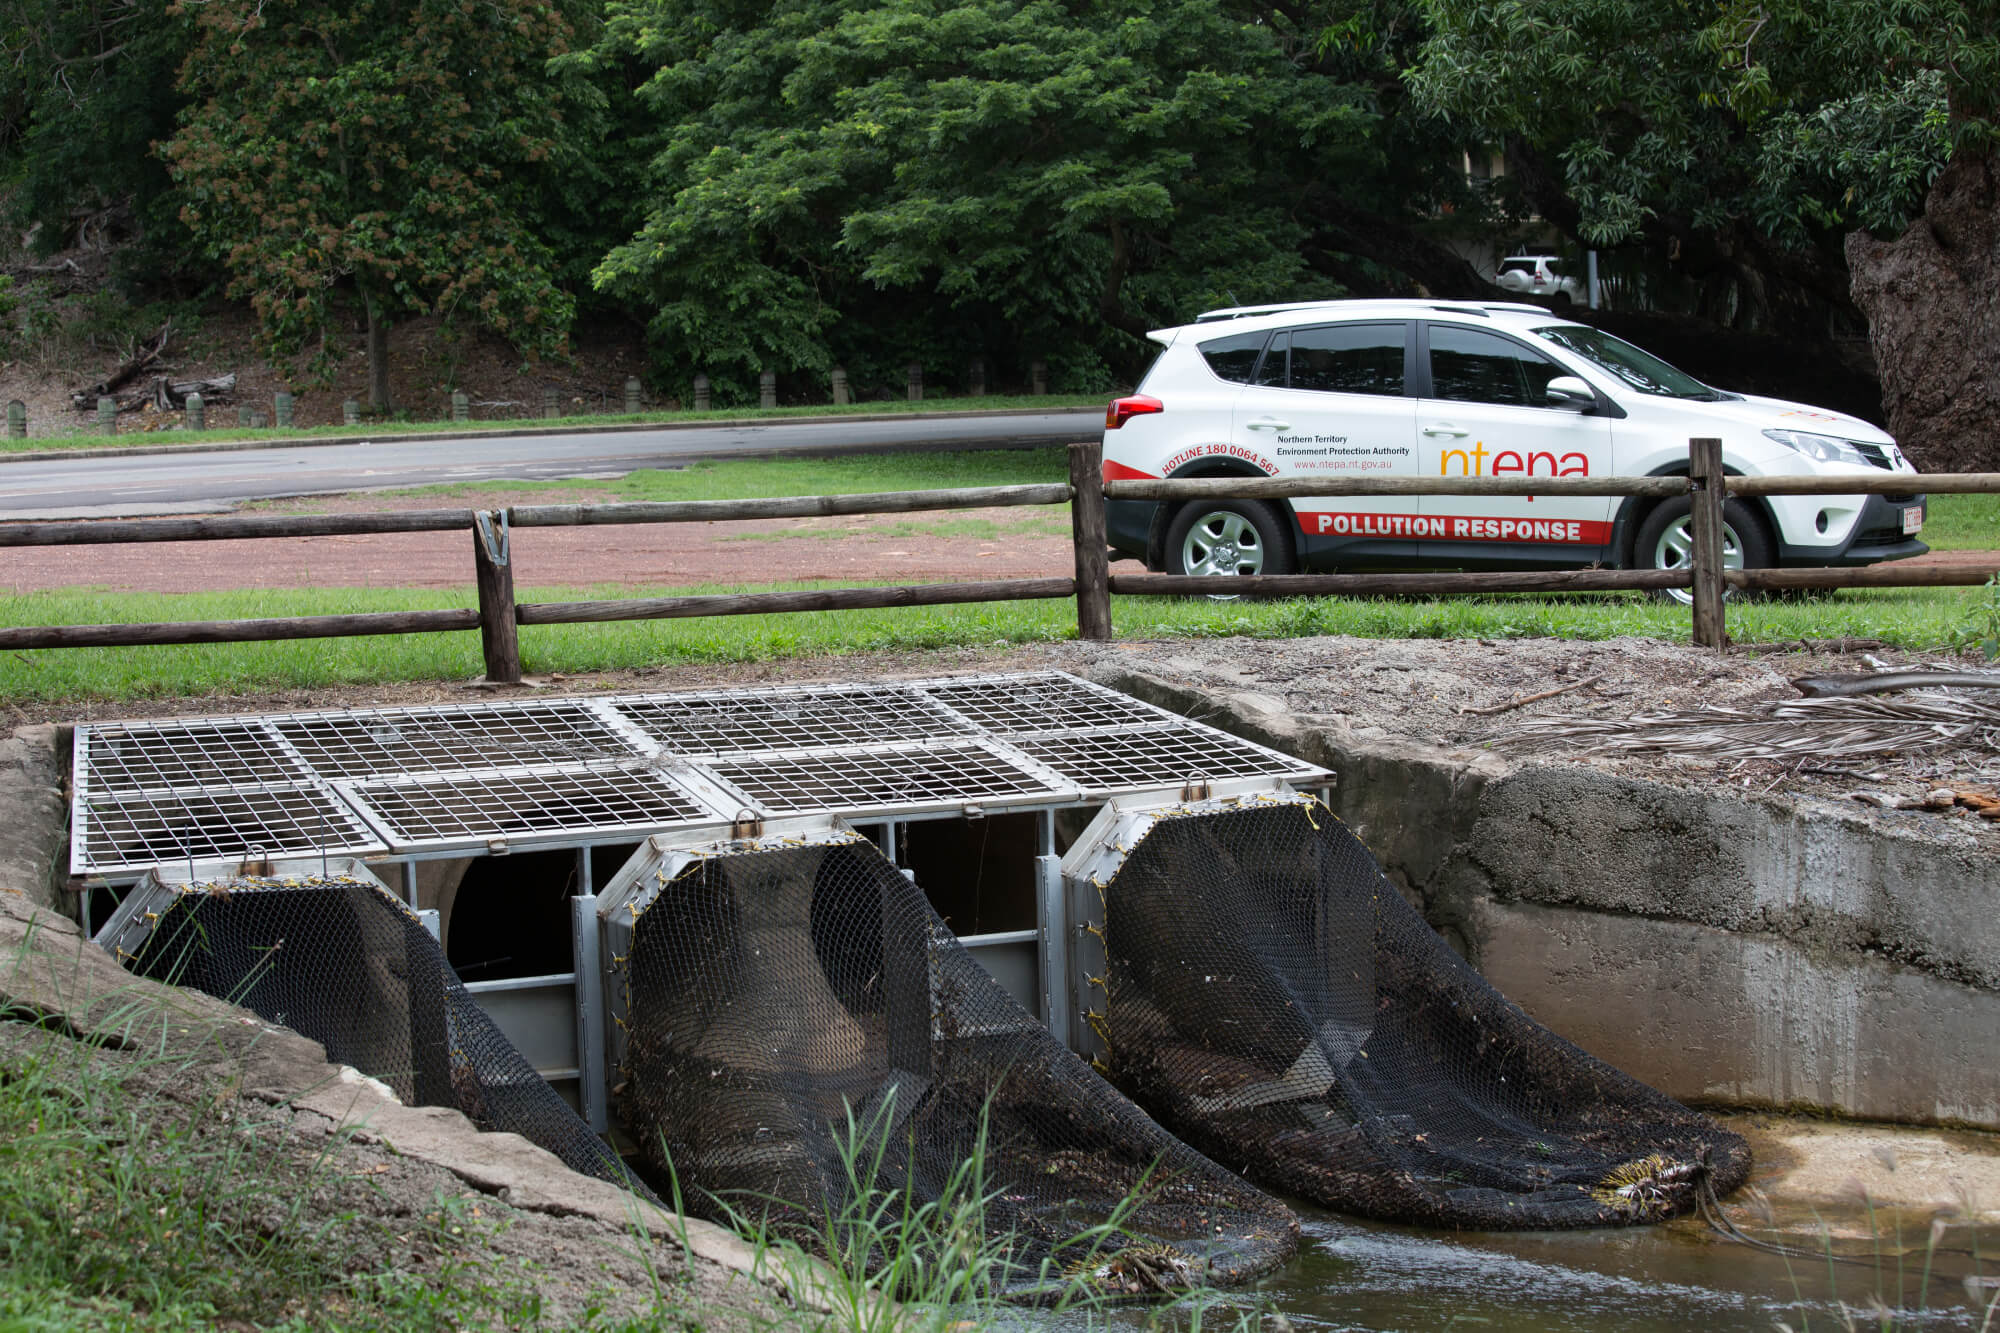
[(1799, 117), (85, 90), (394, 145), (1979, 629), (861, 184), (10, 326)]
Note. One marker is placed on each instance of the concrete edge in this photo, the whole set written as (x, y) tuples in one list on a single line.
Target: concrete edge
[(34, 817), (528, 432), (48, 966)]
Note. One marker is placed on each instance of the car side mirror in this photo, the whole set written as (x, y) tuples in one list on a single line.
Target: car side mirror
[(1570, 392)]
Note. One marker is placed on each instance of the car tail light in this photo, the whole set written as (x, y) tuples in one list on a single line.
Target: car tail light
[(1123, 410)]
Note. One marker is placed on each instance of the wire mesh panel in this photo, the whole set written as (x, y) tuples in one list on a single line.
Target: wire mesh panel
[(803, 1039), (1151, 758), (448, 778), (338, 959), (1273, 1000), (854, 781), (374, 742), (1015, 705), (462, 807), (194, 754), (741, 721), (148, 828)]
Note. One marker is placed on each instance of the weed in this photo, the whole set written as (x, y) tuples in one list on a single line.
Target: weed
[(1979, 628)]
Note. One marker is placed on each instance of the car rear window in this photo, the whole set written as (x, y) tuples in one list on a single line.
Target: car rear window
[(1234, 357), (1348, 358), (1517, 266)]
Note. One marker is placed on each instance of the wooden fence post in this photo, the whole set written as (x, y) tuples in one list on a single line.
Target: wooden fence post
[(1093, 551), (767, 389), (197, 412), (702, 393), (461, 406), (492, 560), (975, 377), (281, 408), (1705, 471), (631, 395), (1038, 378), (107, 416), (17, 420), (842, 395), (549, 407), (915, 372)]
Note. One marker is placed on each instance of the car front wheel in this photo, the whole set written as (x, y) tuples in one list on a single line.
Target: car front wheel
[(1666, 541), (1229, 537)]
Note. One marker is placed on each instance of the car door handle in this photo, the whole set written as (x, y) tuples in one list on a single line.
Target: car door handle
[(1267, 423), (1446, 428)]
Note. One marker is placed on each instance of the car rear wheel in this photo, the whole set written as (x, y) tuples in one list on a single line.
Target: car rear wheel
[(1666, 541), (1230, 537)]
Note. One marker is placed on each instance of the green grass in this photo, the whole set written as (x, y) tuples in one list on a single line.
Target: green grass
[(1963, 523), (1912, 618), (221, 434), (752, 479), (125, 1209)]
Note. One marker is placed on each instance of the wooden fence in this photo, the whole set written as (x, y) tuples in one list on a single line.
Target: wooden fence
[(499, 616)]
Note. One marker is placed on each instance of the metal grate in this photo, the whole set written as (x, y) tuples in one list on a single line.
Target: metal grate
[(737, 723), (165, 827), (451, 809), (214, 754), (451, 778), (900, 779), (386, 741), (1152, 758), (1028, 704)]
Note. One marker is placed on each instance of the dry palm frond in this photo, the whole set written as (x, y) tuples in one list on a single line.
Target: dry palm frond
[(1791, 730)]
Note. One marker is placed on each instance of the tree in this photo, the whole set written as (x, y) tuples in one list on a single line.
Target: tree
[(951, 177), (392, 148), (1931, 290), (1769, 144), (86, 87)]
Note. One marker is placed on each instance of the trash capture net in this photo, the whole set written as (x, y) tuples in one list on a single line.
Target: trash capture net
[(805, 1042), (1274, 1001), (340, 960)]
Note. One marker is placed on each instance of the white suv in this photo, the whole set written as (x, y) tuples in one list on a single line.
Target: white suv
[(1538, 275), (1409, 388)]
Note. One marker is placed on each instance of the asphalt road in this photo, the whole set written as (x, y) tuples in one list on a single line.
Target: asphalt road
[(178, 483)]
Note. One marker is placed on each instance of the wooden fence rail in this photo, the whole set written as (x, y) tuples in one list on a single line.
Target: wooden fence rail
[(499, 618)]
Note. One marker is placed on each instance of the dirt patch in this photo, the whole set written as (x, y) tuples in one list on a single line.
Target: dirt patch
[(915, 548)]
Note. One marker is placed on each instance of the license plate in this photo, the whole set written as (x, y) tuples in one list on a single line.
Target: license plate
[(1913, 519)]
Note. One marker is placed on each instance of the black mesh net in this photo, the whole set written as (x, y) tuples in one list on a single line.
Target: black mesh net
[(1275, 1002), (342, 961), (778, 1000)]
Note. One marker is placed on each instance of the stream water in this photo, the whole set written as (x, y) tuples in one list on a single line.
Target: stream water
[(1364, 1276)]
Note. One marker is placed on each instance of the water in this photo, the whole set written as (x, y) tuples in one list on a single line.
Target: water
[(1352, 1275)]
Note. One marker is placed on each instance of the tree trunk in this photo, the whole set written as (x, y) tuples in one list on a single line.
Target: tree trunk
[(378, 357), (1932, 297)]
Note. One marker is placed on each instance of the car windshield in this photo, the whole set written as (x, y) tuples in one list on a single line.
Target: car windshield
[(1642, 370)]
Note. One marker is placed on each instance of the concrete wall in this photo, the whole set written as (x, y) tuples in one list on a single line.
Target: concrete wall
[(34, 817), (1724, 947)]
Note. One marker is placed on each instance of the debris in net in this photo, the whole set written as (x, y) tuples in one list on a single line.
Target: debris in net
[(783, 1001), (1273, 1000), (1791, 730), (340, 959)]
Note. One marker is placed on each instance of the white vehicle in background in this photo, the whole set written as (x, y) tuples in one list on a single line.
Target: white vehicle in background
[(1412, 388), (1539, 275)]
